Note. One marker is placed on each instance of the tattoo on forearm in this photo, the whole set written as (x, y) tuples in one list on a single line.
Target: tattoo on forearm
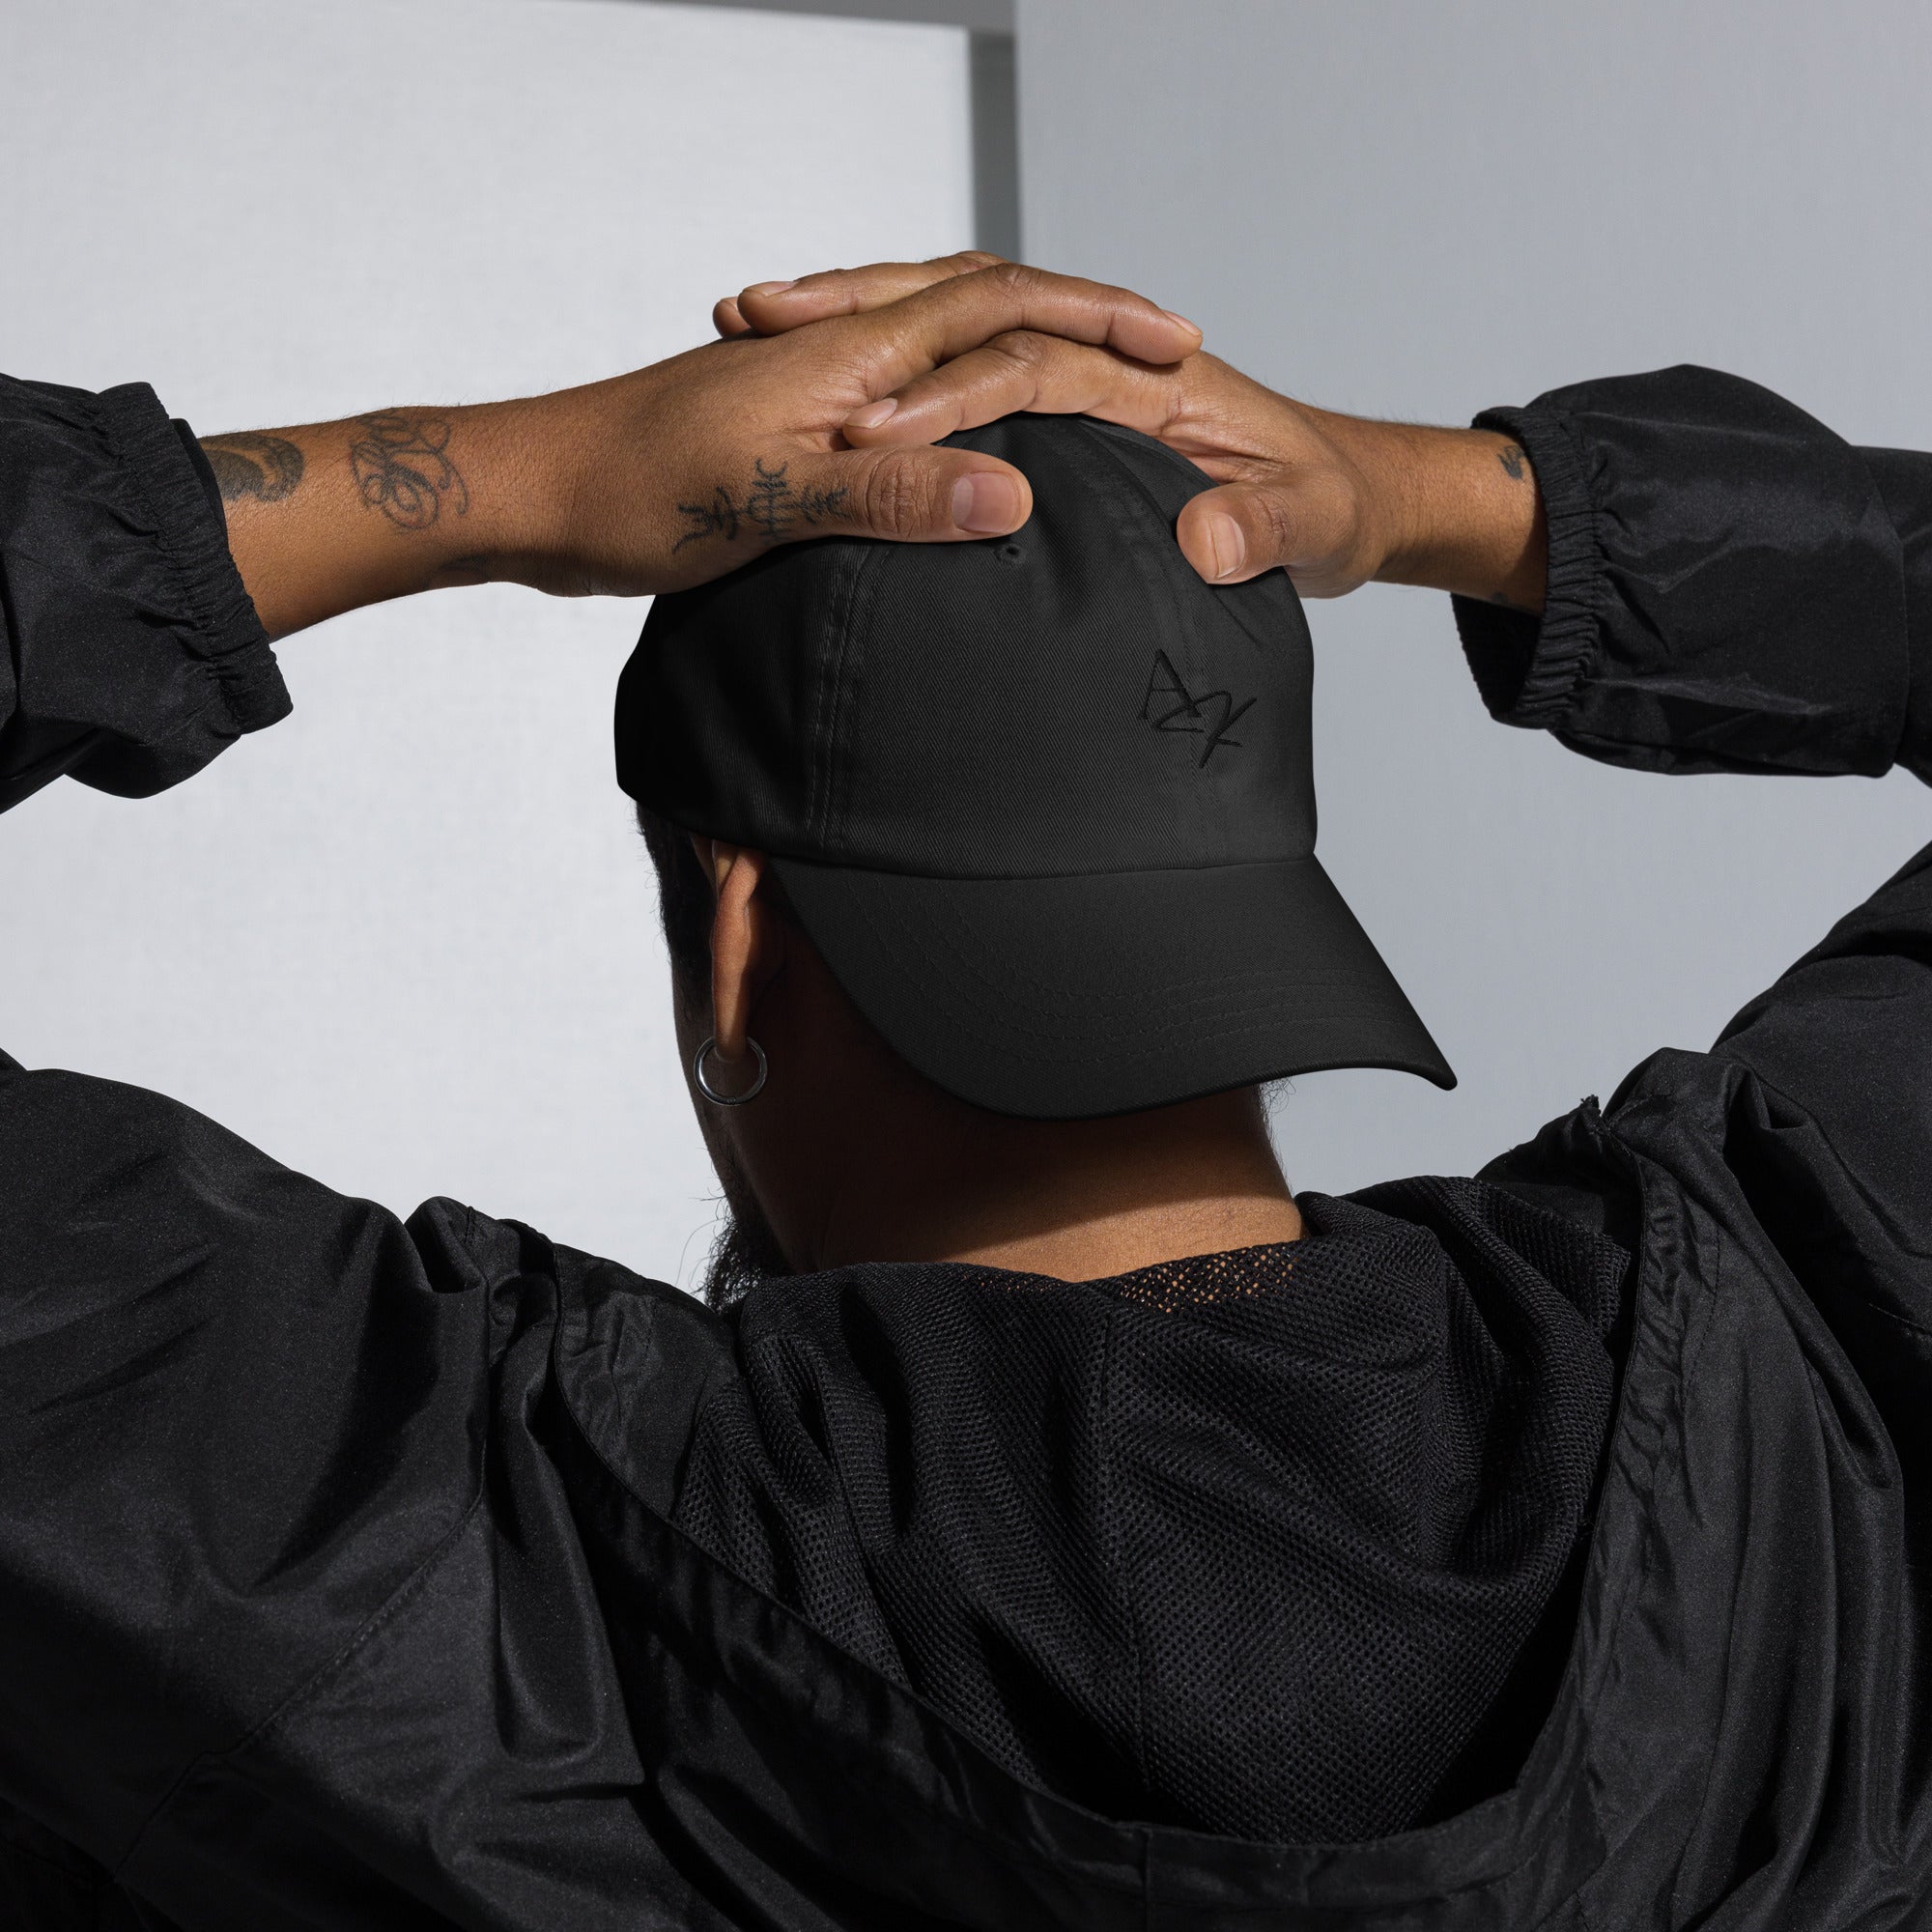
[(402, 468), (246, 463), (772, 508), (1513, 461)]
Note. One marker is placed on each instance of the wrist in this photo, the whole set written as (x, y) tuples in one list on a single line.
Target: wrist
[(1458, 510), (569, 479), (1395, 509), (512, 523)]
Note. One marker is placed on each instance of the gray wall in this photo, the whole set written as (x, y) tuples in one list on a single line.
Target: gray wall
[(405, 941), (1411, 208)]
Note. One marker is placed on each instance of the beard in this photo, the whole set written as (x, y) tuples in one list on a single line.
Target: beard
[(746, 1253)]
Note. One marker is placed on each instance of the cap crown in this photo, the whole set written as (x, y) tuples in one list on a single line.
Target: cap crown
[(1070, 699)]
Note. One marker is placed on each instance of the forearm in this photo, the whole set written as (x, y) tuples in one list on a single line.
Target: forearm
[(327, 517)]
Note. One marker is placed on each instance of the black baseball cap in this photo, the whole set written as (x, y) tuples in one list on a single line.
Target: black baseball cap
[(1044, 803)]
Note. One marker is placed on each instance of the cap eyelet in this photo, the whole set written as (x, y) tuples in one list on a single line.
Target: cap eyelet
[(1010, 553)]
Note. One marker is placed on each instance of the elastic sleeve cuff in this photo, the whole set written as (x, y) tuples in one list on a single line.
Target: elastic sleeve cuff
[(1903, 480), (224, 632), (1528, 669), (203, 468)]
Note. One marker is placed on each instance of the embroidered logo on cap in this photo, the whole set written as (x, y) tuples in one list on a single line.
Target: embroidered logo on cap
[(1170, 706)]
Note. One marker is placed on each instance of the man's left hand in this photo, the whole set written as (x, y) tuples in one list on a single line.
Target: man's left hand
[(658, 479)]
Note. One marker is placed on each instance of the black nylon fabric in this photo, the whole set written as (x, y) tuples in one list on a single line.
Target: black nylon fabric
[(1770, 563), (133, 655), (1069, 998), (362, 1574), (1068, 700), (1046, 805)]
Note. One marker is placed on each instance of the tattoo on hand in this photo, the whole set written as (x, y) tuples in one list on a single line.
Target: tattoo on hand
[(400, 469), (1513, 459), (249, 464), (772, 508)]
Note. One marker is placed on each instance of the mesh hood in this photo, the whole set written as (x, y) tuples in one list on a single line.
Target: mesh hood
[(1250, 1544)]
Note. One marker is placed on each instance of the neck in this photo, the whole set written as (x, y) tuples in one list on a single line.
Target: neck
[(1076, 1200)]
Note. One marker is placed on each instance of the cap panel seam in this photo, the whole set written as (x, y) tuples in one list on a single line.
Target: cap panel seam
[(1124, 520), (828, 665), (853, 664), (1157, 451)]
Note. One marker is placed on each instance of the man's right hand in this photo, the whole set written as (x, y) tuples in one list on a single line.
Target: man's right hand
[(1335, 500)]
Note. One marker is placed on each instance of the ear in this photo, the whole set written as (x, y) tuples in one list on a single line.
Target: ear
[(745, 942)]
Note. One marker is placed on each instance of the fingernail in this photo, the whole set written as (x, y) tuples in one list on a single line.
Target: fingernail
[(985, 503), (771, 288), (1226, 545), (1184, 322), (872, 415)]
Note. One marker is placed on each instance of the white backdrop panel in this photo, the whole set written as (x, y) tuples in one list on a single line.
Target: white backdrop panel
[(405, 941)]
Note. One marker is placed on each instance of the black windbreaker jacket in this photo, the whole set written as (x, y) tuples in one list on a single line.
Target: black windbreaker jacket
[(362, 1574)]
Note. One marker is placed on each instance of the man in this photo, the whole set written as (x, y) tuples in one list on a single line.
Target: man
[(1083, 1530)]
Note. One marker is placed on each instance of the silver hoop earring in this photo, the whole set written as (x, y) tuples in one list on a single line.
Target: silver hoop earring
[(711, 1093)]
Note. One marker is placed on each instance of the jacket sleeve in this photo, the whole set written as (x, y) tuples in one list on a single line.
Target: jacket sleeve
[(240, 1415), (1732, 588), (131, 652)]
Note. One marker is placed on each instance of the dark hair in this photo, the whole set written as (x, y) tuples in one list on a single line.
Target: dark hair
[(685, 901)]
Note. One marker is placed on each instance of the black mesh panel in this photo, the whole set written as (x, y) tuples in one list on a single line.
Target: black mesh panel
[(1249, 1543)]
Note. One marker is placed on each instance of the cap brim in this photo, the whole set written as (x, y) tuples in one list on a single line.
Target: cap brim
[(1071, 998)]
